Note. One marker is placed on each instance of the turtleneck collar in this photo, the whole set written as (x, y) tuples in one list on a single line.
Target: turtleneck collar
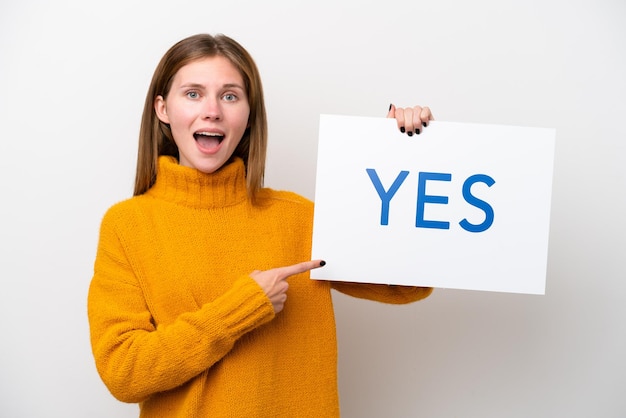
[(189, 187)]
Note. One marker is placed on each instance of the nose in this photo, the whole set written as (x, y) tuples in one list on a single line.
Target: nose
[(212, 109)]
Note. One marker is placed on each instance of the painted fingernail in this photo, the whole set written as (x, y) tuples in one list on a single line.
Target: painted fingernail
[(417, 131), (402, 129), (410, 133), (390, 106), (424, 124), (322, 263)]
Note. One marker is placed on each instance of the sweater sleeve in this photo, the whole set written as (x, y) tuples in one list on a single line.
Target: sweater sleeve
[(382, 292), (135, 358)]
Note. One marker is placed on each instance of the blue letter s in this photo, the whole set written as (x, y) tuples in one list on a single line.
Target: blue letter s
[(480, 204)]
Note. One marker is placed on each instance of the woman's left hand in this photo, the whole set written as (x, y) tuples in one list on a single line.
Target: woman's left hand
[(411, 120)]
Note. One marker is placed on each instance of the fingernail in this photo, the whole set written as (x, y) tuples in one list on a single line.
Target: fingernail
[(417, 131), (322, 263), (424, 124), (402, 129), (410, 133), (390, 106)]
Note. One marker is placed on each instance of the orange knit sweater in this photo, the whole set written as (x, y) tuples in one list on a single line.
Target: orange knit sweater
[(178, 325)]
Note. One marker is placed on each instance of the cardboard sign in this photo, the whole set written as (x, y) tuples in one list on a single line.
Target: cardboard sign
[(463, 206)]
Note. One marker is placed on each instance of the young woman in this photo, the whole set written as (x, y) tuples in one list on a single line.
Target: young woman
[(201, 303)]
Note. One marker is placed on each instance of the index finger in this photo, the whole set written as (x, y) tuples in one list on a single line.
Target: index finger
[(302, 267)]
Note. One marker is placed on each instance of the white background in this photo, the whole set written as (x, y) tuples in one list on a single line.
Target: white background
[(73, 75)]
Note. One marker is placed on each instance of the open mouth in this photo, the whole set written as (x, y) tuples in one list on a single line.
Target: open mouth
[(208, 139)]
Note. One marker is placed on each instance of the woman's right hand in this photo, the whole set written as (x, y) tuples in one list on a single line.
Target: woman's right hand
[(274, 281)]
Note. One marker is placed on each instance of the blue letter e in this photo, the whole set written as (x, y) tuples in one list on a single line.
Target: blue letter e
[(423, 198)]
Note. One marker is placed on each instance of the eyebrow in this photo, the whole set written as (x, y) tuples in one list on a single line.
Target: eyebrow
[(201, 86)]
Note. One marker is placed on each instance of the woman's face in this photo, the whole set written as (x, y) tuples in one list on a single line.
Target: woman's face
[(207, 110)]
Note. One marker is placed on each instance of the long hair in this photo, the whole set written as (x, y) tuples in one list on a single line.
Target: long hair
[(155, 137)]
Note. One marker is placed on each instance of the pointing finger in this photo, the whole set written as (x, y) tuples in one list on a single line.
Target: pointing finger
[(302, 267)]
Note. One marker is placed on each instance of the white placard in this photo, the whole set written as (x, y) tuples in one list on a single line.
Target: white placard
[(463, 206)]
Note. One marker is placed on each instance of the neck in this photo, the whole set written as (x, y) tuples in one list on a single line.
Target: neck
[(189, 187)]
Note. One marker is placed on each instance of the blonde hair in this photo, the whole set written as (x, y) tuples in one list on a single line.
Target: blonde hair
[(155, 137)]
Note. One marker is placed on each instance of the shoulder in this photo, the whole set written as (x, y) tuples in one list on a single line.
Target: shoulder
[(121, 207), (123, 212), (289, 207), (282, 197), (289, 214)]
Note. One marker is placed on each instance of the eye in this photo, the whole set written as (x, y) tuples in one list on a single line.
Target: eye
[(193, 94), (229, 97)]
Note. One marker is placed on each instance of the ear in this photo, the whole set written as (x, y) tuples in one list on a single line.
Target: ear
[(161, 109)]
